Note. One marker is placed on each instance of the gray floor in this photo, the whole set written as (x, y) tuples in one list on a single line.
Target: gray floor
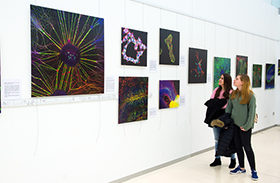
[(266, 145)]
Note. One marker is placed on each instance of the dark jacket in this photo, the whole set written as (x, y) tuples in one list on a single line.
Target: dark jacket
[(226, 145), (214, 109)]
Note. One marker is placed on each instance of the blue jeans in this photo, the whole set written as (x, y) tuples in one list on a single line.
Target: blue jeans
[(217, 131)]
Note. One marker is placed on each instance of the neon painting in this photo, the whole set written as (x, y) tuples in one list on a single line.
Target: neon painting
[(168, 42), (169, 93), (278, 67), (241, 65), (197, 65), (169, 47), (269, 76), (221, 66), (67, 53), (134, 47), (133, 99), (257, 76)]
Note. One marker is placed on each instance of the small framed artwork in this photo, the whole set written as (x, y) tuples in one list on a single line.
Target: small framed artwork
[(169, 94), (197, 65), (133, 47), (269, 76), (241, 65), (278, 67), (169, 47), (133, 99), (257, 76), (221, 66)]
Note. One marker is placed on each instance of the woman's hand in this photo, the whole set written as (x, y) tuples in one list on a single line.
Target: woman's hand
[(241, 128)]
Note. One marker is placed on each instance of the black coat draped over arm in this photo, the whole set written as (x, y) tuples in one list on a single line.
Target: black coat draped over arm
[(214, 109)]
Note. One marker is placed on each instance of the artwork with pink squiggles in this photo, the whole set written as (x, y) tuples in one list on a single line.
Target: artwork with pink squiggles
[(134, 47)]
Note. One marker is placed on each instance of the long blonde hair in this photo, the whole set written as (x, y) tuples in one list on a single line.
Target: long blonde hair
[(246, 91)]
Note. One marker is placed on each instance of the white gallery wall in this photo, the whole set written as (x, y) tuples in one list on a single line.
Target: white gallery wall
[(73, 139)]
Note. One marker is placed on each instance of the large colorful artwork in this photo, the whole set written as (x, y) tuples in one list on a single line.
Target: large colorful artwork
[(169, 93), (169, 47), (133, 99), (197, 65), (221, 66), (134, 47), (241, 65), (67, 52), (257, 76), (269, 76)]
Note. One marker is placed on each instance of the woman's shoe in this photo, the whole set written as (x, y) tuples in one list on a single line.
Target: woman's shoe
[(232, 163), (254, 175), (237, 170), (216, 162)]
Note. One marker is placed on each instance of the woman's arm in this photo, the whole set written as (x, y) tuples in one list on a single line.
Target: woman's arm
[(251, 113), (226, 103), (229, 106)]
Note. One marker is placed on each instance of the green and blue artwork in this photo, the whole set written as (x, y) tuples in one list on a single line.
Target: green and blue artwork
[(221, 66), (269, 76)]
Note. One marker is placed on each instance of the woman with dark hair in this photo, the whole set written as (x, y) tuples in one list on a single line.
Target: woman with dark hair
[(222, 92), (242, 107)]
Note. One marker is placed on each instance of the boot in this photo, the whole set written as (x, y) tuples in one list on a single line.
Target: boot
[(232, 163), (217, 122), (216, 162)]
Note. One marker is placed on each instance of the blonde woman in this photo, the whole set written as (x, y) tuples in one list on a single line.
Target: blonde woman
[(242, 107)]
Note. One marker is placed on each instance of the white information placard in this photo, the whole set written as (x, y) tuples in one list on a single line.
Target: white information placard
[(182, 100), (110, 84), (209, 78), (152, 112), (153, 65), (183, 60), (11, 89)]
